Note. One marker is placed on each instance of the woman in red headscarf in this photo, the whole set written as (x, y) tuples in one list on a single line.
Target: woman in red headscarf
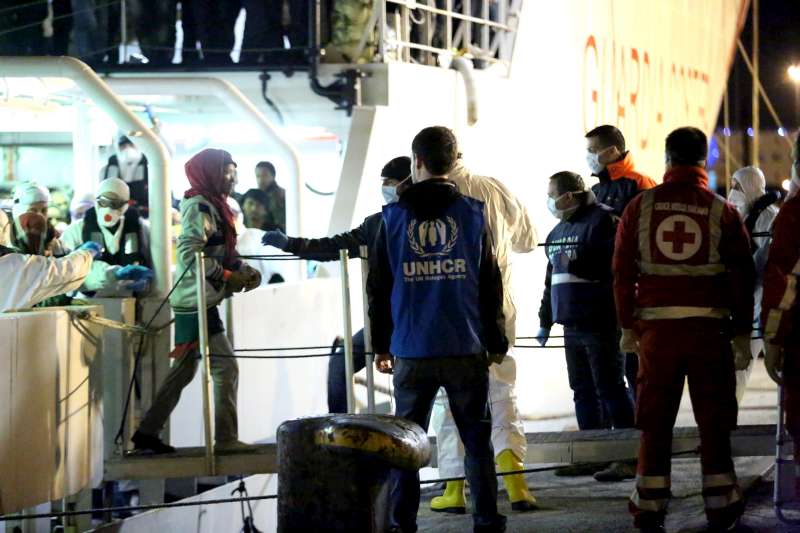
[(207, 226)]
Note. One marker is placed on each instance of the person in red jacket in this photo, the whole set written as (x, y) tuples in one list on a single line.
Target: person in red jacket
[(779, 307), (683, 285)]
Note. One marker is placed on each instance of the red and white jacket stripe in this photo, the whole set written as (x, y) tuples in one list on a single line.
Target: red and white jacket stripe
[(779, 304)]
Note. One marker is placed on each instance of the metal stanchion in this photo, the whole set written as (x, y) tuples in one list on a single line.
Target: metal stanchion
[(368, 355), (348, 331), (202, 322)]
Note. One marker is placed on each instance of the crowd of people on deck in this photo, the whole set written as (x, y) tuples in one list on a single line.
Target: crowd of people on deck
[(653, 285)]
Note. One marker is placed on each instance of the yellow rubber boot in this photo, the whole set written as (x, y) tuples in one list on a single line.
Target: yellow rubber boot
[(452, 501), (518, 493)]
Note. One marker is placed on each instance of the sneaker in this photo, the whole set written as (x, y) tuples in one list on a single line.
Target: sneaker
[(234, 446), (580, 469), (150, 444), (617, 471)]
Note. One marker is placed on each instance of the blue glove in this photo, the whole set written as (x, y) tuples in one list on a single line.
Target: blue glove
[(543, 336), (275, 238), (95, 249), (134, 273), (137, 286)]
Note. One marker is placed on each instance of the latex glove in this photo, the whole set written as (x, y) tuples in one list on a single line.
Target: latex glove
[(543, 336), (237, 281), (629, 343), (134, 273), (384, 363), (742, 354), (773, 361), (254, 278), (275, 238), (90, 246), (140, 285)]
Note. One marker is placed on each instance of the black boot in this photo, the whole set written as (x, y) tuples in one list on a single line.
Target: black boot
[(151, 444)]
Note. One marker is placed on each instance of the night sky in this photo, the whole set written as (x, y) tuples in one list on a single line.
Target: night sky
[(779, 48)]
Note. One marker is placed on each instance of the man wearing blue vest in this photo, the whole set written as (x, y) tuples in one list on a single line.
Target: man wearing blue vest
[(435, 304)]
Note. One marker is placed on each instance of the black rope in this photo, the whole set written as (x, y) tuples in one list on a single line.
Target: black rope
[(248, 524), (134, 508), (139, 351), (283, 349), (303, 356)]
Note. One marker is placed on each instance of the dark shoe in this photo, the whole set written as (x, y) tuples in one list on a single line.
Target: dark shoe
[(617, 471), (729, 527), (524, 506), (499, 526), (653, 529), (580, 469), (150, 444)]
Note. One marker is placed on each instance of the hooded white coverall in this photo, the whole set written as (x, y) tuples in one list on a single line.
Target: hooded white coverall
[(511, 230), (753, 185), (31, 279)]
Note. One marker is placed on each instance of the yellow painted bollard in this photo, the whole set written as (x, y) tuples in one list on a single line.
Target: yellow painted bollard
[(333, 470)]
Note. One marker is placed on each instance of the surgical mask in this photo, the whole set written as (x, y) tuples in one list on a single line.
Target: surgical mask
[(561, 214), (739, 201), (108, 217), (593, 160), (389, 192), (130, 155)]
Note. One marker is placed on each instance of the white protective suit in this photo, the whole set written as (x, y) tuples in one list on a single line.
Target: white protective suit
[(511, 230), (31, 279), (5, 229), (753, 185)]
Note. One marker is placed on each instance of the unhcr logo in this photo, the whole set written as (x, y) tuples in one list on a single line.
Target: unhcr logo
[(432, 240)]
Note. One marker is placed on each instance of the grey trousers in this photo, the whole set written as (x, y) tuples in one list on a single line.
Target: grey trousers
[(224, 372)]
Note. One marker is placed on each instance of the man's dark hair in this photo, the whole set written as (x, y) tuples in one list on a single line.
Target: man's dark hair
[(686, 146), (609, 136), (269, 166), (123, 140), (567, 181), (257, 195), (398, 168), (437, 148)]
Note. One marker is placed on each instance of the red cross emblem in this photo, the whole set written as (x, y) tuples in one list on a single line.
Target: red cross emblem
[(679, 237)]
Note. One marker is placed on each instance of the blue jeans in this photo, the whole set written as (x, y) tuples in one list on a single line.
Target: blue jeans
[(466, 380), (337, 387), (596, 371)]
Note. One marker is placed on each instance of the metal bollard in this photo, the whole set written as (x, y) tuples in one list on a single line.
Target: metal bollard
[(369, 357), (348, 330), (333, 470), (202, 322)]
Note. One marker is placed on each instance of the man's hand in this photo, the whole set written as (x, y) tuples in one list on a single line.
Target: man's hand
[(236, 281), (275, 238), (543, 336), (773, 360), (384, 363), (629, 343), (254, 278), (742, 354)]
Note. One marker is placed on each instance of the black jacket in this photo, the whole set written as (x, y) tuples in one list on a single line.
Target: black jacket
[(327, 248), (428, 200)]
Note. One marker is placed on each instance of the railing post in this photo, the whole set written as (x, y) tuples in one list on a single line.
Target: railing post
[(123, 31), (202, 323), (448, 28), (348, 330), (369, 357)]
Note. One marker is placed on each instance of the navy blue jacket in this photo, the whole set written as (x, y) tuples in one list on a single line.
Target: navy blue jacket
[(579, 283), (434, 287)]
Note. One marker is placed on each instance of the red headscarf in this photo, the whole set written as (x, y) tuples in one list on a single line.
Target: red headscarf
[(205, 171)]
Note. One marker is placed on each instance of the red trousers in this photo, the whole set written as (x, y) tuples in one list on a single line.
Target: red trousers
[(671, 352), (791, 392)]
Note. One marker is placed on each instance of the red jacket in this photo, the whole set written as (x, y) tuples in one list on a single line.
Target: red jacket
[(682, 251), (779, 306)]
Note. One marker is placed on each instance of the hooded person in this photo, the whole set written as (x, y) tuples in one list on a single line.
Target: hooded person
[(208, 226), (757, 209), (33, 234), (5, 229), (125, 266), (130, 165)]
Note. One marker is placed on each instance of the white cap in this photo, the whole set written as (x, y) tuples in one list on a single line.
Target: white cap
[(27, 194), (114, 188), (752, 182)]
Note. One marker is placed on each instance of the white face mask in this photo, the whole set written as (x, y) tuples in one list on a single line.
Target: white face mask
[(561, 214), (130, 155), (739, 201), (390, 195), (109, 217), (593, 160)]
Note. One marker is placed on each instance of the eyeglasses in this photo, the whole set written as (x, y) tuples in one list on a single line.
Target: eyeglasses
[(111, 204)]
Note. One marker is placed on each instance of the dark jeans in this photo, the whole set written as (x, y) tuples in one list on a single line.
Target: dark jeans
[(337, 388), (596, 371), (466, 380)]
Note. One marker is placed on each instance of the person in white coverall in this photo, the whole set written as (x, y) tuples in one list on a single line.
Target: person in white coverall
[(124, 268), (511, 230), (757, 208), (31, 279)]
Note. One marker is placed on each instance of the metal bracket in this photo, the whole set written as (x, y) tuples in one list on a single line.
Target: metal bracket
[(345, 92)]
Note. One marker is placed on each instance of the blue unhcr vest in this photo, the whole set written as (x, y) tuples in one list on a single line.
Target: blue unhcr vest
[(436, 265)]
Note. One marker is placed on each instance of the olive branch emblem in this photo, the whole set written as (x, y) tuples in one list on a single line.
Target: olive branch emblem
[(420, 251)]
